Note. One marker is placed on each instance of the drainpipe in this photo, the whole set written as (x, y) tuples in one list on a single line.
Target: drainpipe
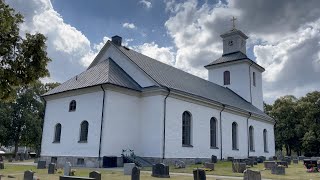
[(223, 107), (101, 126), (164, 124), (248, 133), (250, 82)]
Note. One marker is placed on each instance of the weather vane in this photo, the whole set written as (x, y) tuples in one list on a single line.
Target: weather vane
[(233, 22)]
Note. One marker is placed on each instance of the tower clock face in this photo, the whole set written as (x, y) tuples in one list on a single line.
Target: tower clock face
[(230, 43)]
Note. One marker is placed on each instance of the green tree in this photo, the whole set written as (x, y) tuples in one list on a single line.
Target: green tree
[(22, 60), (26, 115)]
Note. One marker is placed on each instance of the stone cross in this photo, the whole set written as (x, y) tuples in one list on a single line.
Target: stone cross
[(233, 22)]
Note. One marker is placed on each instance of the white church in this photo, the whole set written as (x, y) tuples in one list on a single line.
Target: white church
[(126, 100)]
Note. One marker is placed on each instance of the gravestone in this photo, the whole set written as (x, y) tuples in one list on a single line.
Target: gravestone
[(255, 163), (282, 163), (197, 161), (295, 161), (209, 165), (95, 174), (28, 175), (21, 157), (41, 165), (135, 174), (214, 159), (199, 174), (251, 175), (259, 160), (36, 160), (127, 168), (278, 170), (67, 169), (269, 164), (179, 164), (1, 165), (238, 167), (301, 158), (1, 158), (16, 158), (10, 159), (288, 160), (230, 158), (160, 170), (249, 162), (52, 168), (26, 155), (309, 163)]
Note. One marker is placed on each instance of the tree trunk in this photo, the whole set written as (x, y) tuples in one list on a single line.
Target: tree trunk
[(287, 150), (16, 145)]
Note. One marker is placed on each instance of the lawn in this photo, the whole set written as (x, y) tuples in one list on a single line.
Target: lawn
[(295, 171)]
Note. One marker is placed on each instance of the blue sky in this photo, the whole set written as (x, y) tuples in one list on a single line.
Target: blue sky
[(283, 35)]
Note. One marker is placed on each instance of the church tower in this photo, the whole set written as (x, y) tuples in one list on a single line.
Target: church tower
[(234, 70)]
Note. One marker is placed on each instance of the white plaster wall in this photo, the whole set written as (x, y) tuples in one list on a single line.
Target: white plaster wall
[(239, 78), (89, 107), (200, 136), (129, 67), (121, 124), (227, 119), (256, 91), (258, 138), (151, 126), (239, 44)]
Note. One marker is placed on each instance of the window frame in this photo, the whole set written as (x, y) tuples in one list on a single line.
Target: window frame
[(254, 79), (226, 78), (72, 106), (57, 136), (265, 141), (84, 138), (251, 139), (234, 136), (213, 133), (186, 129)]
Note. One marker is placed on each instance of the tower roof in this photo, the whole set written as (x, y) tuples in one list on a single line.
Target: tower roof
[(234, 32)]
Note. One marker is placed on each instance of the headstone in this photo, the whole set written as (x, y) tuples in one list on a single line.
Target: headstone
[(282, 163), (251, 175), (308, 163), (295, 161), (197, 161), (278, 170), (230, 158), (67, 169), (1, 158), (135, 174), (36, 160), (95, 174), (301, 158), (238, 167), (1, 165), (41, 165), (255, 163), (269, 164), (199, 174), (127, 168), (26, 155), (260, 160), (160, 170), (16, 158), (28, 175), (288, 160), (209, 165), (179, 164), (214, 159), (52, 168), (21, 157), (10, 159), (249, 162)]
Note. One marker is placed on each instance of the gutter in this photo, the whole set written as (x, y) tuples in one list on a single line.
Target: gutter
[(101, 126), (250, 82), (223, 107), (248, 133), (164, 124)]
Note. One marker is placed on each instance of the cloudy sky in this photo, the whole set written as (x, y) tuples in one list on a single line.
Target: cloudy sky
[(284, 35)]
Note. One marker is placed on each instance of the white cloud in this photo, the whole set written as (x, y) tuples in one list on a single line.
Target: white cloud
[(69, 48), (163, 54), (146, 3), (128, 25), (284, 36)]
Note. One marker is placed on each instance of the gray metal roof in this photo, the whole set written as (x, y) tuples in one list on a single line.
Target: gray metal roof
[(177, 79), (105, 72), (236, 56)]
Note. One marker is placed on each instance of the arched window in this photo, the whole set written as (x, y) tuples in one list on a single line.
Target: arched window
[(213, 132), (72, 105), (265, 140), (226, 77), (57, 133), (186, 128), (84, 127), (234, 136), (251, 140), (254, 78)]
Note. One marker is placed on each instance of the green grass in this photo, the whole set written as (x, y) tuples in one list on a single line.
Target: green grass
[(295, 172)]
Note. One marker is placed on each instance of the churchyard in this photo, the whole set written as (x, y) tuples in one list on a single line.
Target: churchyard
[(294, 171)]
